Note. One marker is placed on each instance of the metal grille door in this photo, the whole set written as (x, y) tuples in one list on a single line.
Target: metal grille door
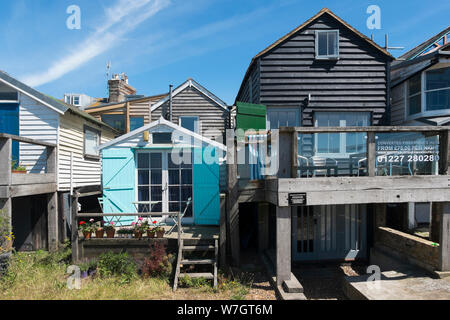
[(329, 233)]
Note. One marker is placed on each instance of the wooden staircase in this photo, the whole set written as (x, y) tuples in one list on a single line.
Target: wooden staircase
[(199, 248)]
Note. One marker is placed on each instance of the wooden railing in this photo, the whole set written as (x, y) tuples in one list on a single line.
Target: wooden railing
[(30, 183), (288, 145)]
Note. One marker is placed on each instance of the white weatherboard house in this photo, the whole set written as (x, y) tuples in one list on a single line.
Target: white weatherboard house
[(142, 171), (28, 113)]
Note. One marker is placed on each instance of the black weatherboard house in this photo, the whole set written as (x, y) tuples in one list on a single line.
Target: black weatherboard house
[(326, 87), (324, 65)]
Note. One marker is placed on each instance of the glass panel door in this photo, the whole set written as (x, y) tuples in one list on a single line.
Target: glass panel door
[(180, 188), (150, 181), (165, 185)]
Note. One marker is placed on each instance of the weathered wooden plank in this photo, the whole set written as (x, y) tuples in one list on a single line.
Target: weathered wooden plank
[(362, 183), (283, 249), (32, 189), (27, 140), (371, 154), (444, 238), (427, 129), (336, 197), (5, 160), (32, 178), (52, 222)]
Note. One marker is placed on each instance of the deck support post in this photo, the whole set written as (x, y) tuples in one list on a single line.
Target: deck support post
[(444, 237), (232, 217), (379, 214), (283, 251), (435, 227), (74, 231), (263, 226), (52, 221), (371, 154)]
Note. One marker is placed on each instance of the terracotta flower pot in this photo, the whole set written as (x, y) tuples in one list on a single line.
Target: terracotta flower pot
[(87, 235), (138, 235), (99, 233), (160, 233), (110, 233), (151, 234)]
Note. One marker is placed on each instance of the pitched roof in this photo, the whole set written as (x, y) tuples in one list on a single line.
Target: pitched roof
[(306, 23), (191, 83), (99, 106), (416, 51), (49, 101), (163, 122)]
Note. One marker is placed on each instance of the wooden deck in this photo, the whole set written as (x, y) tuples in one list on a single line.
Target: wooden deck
[(140, 248)]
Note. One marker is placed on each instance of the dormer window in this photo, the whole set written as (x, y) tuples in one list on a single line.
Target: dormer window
[(327, 44)]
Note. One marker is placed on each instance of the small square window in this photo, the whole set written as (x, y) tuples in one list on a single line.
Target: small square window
[(76, 100), (190, 123), (327, 44), (162, 138)]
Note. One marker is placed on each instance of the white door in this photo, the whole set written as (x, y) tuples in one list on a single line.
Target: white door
[(165, 185)]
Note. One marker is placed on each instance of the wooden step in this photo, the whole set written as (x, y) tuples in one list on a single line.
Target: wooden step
[(207, 276), (198, 261), (198, 248)]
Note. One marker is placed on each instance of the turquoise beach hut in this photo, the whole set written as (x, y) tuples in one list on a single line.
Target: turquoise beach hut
[(157, 168)]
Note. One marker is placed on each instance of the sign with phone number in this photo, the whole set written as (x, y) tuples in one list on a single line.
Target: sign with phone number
[(400, 158)]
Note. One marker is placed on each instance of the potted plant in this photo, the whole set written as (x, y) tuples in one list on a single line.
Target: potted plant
[(99, 232), (17, 168), (87, 228), (109, 229), (157, 231), (139, 228)]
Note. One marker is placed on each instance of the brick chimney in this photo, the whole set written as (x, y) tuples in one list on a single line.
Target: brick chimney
[(119, 88)]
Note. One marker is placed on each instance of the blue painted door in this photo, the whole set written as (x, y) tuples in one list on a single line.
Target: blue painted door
[(9, 123), (206, 187), (118, 182)]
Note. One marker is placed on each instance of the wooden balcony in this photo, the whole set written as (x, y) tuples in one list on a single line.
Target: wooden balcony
[(349, 188), (25, 184)]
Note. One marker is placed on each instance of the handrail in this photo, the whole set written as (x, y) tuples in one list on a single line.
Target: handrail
[(27, 140), (365, 129)]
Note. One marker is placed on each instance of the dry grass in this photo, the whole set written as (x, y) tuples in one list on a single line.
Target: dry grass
[(41, 275)]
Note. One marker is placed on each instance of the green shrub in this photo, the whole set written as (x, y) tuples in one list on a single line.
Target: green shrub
[(117, 264), (188, 282)]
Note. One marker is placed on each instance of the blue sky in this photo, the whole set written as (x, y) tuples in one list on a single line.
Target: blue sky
[(159, 42)]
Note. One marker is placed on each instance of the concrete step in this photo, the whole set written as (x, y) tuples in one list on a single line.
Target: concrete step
[(206, 275), (199, 248), (198, 261), (292, 285)]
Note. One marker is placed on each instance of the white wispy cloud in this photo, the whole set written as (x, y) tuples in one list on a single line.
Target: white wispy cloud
[(120, 19)]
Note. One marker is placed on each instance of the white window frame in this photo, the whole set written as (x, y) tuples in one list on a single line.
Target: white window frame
[(423, 108), (73, 100), (98, 133), (287, 109), (196, 127), (165, 183), (342, 136), (326, 57)]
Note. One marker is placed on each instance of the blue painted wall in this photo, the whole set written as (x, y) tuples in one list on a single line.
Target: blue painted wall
[(118, 180), (206, 183), (9, 123)]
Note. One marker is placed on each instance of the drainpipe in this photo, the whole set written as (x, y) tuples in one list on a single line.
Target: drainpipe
[(170, 103)]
